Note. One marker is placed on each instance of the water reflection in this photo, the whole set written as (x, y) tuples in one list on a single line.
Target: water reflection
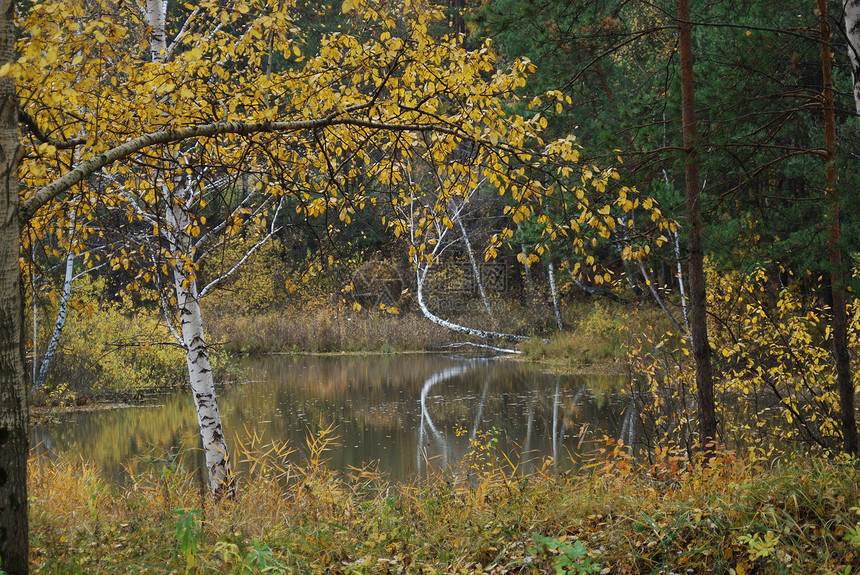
[(402, 411)]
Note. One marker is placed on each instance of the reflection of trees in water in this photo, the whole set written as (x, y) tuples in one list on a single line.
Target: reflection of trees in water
[(386, 408), (427, 421), (550, 412)]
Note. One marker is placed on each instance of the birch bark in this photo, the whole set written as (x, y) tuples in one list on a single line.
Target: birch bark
[(200, 377), (554, 292), (851, 14), (60, 324)]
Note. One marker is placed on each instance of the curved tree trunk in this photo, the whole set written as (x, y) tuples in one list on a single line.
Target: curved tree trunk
[(453, 326)]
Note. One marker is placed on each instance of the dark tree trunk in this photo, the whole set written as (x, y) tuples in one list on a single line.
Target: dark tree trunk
[(14, 546), (839, 322), (698, 311)]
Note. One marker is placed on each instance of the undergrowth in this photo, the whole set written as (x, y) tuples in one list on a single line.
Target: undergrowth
[(733, 514)]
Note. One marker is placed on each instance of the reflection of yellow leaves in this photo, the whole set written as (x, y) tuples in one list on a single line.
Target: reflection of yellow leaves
[(356, 306)]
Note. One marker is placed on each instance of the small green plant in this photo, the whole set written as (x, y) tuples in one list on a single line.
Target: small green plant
[(853, 535), (563, 557), (759, 547), (188, 534)]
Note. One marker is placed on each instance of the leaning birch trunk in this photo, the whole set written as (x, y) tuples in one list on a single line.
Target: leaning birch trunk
[(681, 281), (60, 324), (659, 300), (197, 359), (48, 358), (554, 291), (420, 276)]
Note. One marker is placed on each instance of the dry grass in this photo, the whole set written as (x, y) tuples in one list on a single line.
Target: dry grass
[(483, 517)]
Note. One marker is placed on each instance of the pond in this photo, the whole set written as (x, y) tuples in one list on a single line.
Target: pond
[(409, 413)]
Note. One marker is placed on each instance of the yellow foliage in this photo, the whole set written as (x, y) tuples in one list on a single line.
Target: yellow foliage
[(774, 376)]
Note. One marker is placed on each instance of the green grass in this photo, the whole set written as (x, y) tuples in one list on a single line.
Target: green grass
[(612, 517)]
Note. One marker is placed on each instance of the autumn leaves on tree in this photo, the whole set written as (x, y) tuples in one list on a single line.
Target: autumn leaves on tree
[(169, 134), (194, 134)]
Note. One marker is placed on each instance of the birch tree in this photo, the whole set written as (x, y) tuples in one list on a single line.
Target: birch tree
[(355, 108)]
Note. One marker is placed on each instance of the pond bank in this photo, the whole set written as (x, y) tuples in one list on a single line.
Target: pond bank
[(736, 515)]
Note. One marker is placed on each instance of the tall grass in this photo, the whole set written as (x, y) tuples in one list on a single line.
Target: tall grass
[(482, 517), (596, 331)]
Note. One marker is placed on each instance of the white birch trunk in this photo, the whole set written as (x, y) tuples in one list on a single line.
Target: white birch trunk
[(420, 276), (681, 281), (852, 31), (193, 338), (554, 292), (659, 300), (155, 14), (197, 358), (48, 358), (60, 324)]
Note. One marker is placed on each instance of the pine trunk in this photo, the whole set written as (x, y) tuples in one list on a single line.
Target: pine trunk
[(839, 322), (698, 309)]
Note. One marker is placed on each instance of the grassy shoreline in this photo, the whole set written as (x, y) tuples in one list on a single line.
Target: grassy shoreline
[(740, 513), (734, 515)]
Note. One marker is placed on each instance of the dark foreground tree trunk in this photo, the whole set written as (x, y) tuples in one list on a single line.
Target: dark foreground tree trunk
[(839, 322), (14, 547), (698, 311)]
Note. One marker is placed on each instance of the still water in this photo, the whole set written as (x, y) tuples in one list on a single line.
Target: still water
[(409, 413)]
